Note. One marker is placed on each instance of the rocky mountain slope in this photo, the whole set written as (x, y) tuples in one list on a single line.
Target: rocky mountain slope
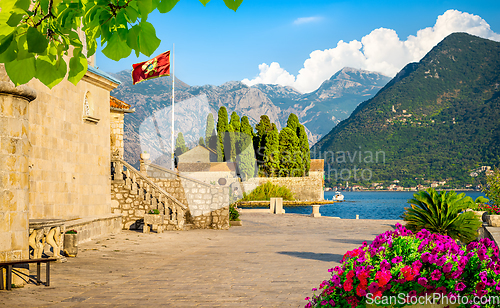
[(436, 120), (148, 129)]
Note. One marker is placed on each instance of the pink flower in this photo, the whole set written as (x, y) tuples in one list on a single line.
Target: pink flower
[(436, 275), (460, 286), (422, 281), (447, 267)]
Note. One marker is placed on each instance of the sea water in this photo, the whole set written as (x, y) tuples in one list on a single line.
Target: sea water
[(367, 204)]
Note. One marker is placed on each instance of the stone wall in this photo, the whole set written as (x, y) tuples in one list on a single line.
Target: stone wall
[(70, 157), (132, 206), (303, 188), (89, 228), (116, 130), (208, 204), (14, 154)]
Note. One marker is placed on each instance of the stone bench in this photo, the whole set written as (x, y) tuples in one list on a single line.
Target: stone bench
[(8, 265)]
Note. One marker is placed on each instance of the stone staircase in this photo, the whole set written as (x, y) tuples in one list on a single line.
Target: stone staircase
[(133, 195)]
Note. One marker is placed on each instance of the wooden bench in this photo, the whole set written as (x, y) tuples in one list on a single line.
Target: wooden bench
[(8, 266)]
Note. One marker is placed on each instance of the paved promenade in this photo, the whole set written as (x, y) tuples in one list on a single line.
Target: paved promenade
[(271, 261)]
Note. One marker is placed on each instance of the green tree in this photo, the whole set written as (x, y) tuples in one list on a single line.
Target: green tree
[(262, 128), (37, 35), (304, 148), (209, 130), (235, 123), (442, 213), (271, 164), (293, 122), (245, 127), (222, 128), (230, 144), (492, 189), (201, 142), (246, 158), (180, 145), (290, 155)]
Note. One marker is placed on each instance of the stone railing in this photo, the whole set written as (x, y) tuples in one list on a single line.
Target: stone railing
[(133, 195), (208, 204)]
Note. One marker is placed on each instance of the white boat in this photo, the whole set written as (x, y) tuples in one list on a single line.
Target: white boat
[(338, 196)]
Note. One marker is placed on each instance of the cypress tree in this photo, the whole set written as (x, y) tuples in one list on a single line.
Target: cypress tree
[(290, 161), (245, 127), (262, 128), (209, 130), (230, 144), (293, 122), (201, 142), (271, 164), (222, 128), (180, 145), (246, 159), (236, 125), (304, 149)]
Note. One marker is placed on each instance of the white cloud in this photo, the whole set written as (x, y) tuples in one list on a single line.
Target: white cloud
[(381, 50), (272, 74), (306, 20)]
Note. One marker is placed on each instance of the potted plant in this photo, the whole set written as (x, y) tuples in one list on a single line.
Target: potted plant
[(234, 216), (154, 218), (70, 247), (400, 267)]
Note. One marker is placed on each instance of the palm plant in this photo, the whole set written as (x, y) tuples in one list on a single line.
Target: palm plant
[(442, 213)]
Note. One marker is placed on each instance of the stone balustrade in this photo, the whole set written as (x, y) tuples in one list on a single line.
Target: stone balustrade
[(133, 195)]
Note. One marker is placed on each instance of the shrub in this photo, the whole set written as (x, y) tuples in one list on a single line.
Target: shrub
[(400, 262), (233, 213), (492, 189), (154, 212), (71, 232), (442, 213), (267, 191)]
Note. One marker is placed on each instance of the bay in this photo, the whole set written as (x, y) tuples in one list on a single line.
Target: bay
[(367, 204)]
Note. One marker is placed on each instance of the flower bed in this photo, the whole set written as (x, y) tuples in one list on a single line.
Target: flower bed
[(405, 266)]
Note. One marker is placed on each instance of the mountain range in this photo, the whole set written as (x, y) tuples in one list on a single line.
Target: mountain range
[(149, 129), (437, 119)]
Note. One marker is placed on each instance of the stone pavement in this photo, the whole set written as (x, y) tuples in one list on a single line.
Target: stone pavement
[(271, 261)]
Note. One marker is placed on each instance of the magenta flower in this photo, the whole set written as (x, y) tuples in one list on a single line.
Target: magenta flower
[(436, 275), (460, 287), (422, 281), (397, 259)]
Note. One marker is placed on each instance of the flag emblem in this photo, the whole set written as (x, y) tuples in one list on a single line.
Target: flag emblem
[(159, 66)]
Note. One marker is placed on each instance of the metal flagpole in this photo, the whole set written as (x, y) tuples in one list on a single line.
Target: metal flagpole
[(173, 98)]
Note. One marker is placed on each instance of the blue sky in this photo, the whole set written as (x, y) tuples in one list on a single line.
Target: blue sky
[(214, 45)]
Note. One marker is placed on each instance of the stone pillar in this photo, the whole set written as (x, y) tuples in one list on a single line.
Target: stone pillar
[(144, 162), (14, 154), (315, 210)]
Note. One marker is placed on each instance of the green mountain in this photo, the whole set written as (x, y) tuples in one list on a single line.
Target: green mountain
[(438, 119)]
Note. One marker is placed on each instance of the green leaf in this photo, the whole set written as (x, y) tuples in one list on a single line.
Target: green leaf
[(166, 6), (6, 41), (22, 4), (204, 2), (116, 49), (49, 72), (233, 4), (37, 42), (133, 39), (148, 42), (21, 71), (77, 68), (145, 7), (131, 14), (10, 54), (15, 17)]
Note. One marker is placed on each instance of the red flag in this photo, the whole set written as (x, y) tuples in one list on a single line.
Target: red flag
[(157, 67)]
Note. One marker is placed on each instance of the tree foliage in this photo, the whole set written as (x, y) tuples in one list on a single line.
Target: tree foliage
[(38, 36), (271, 165), (267, 191), (180, 145), (492, 188), (210, 128), (222, 128)]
